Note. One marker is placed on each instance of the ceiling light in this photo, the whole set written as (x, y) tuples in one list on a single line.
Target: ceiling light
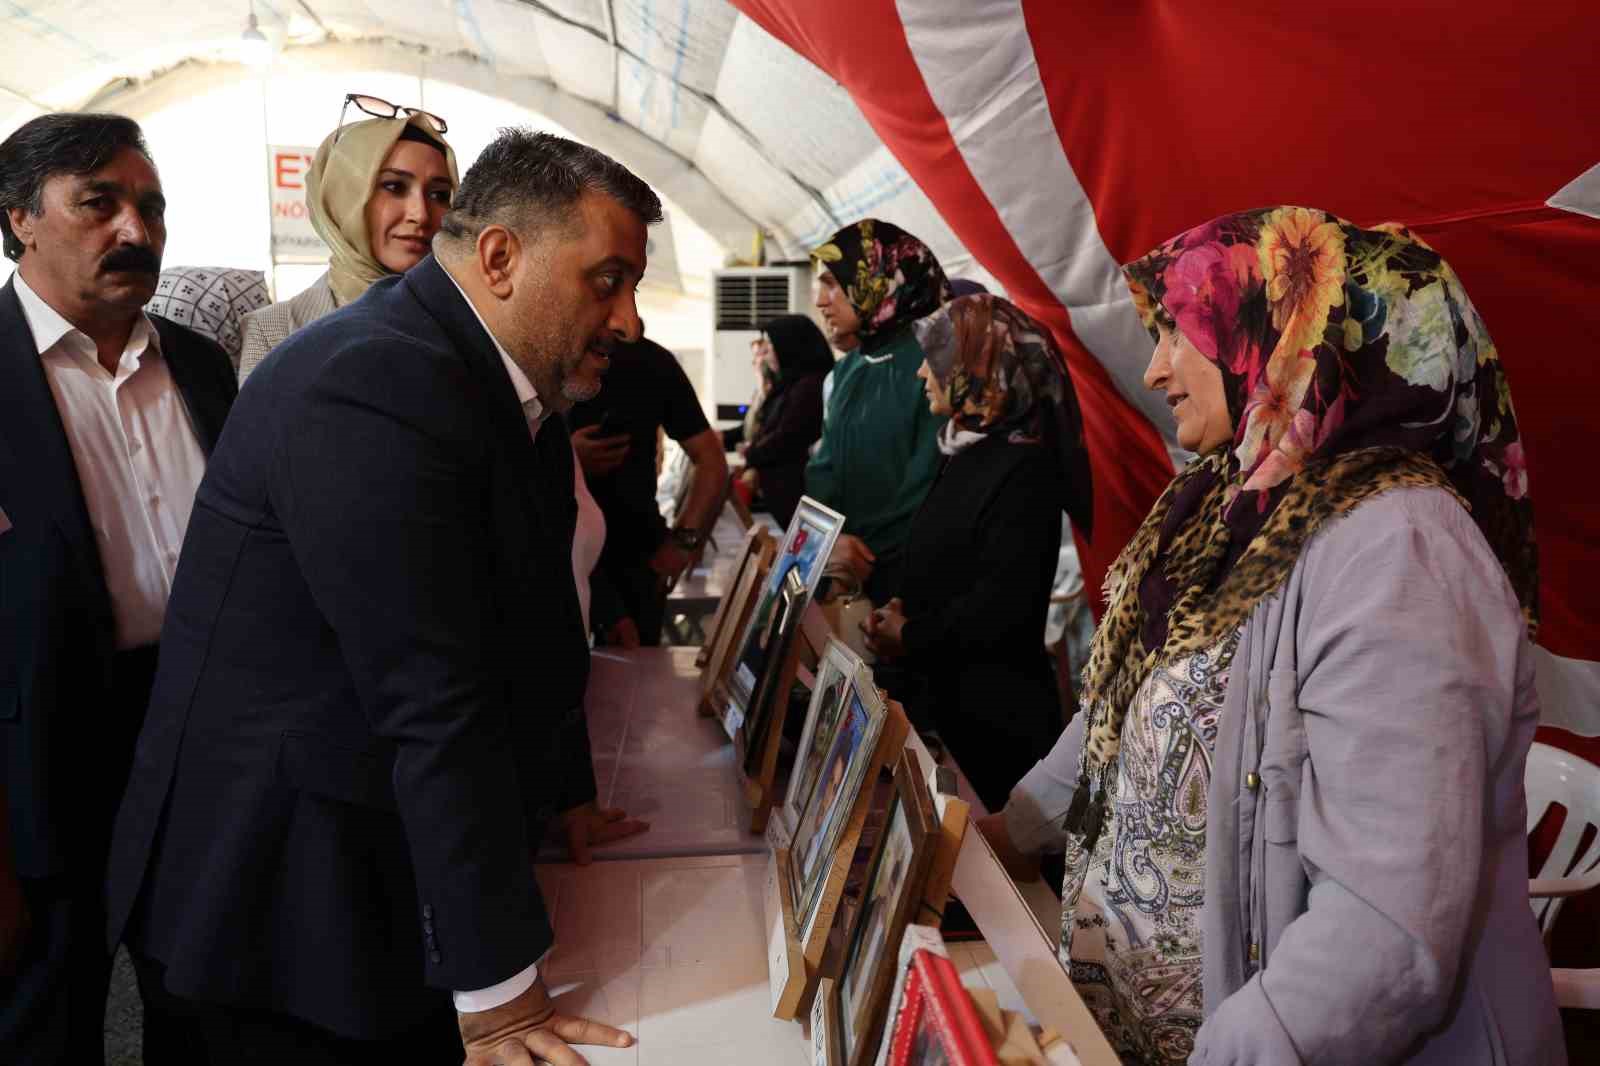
[(253, 45)]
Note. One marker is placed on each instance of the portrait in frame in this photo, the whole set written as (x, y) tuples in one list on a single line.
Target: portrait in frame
[(837, 671), (805, 549), (891, 894), (777, 639), (833, 798)]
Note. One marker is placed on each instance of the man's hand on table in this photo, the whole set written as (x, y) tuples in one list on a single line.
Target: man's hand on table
[(591, 826), (529, 1030)]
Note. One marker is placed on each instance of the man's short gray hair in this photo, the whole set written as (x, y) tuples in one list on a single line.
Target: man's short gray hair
[(528, 181)]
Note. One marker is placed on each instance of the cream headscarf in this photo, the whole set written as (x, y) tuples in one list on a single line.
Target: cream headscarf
[(337, 190)]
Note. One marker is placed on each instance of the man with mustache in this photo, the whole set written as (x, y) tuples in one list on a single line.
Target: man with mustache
[(372, 672), (106, 419)]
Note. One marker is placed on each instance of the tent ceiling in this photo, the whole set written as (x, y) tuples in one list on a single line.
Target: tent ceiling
[(726, 120)]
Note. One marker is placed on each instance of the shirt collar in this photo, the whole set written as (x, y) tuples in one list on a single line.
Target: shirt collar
[(526, 396), (50, 328)]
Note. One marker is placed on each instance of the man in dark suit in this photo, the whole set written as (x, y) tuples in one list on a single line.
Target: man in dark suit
[(373, 665), (106, 417)]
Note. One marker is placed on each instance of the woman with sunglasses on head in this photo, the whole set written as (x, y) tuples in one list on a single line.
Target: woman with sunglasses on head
[(377, 192)]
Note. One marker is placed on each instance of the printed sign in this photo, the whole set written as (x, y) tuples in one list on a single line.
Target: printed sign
[(294, 240)]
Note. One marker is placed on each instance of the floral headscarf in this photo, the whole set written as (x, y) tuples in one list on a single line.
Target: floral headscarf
[(889, 276), (1006, 376), (1352, 362)]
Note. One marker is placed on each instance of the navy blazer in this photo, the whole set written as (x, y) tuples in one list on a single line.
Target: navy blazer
[(57, 634), (370, 684)]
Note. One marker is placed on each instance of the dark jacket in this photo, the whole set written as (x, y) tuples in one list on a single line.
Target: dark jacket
[(369, 671), (980, 560), (791, 423), (57, 635)]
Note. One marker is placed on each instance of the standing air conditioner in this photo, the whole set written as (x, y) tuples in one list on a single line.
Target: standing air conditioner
[(742, 299)]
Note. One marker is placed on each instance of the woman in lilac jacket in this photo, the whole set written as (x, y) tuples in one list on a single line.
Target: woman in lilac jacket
[(1293, 804)]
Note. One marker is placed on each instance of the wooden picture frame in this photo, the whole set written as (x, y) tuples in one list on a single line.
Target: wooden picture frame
[(794, 958), (933, 1019), (890, 898), (838, 668), (749, 574), (869, 735), (778, 637), (806, 546), (825, 1035)]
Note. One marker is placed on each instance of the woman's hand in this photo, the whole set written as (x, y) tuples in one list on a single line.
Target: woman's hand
[(851, 553), (1021, 867), (883, 629)]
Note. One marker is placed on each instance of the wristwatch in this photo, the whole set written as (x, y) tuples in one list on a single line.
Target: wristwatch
[(687, 539)]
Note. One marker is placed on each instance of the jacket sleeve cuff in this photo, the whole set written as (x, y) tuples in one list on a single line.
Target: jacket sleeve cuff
[(498, 995), (1245, 1031)]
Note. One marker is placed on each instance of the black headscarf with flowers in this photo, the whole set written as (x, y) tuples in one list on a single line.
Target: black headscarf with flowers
[(1352, 362), (890, 278)]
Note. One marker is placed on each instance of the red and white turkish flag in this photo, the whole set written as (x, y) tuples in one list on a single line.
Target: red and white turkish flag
[(1059, 140)]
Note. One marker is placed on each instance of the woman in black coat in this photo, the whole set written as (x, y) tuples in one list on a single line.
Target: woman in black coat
[(967, 630), (790, 421)]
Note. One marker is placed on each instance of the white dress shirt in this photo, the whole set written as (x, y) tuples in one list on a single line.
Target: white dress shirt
[(533, 410), (587, 539), (138, 458)]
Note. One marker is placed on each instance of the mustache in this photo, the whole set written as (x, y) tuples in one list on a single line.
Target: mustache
[(133, 258)]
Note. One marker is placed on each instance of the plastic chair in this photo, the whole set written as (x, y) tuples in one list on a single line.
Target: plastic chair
[(1558, 778)]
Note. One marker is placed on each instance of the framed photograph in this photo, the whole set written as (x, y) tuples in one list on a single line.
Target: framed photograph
[(935, 1021), (831, 802), (889, 898), (837, 671), (805, 550), (777, 640), (749, 576)]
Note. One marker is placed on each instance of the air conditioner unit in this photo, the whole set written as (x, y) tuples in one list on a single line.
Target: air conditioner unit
[(742, 299)]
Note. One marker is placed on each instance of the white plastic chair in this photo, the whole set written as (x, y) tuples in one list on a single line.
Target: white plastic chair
[(1557, 778)]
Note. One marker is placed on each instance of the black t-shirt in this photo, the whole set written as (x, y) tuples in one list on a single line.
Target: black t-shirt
[(644, 388)]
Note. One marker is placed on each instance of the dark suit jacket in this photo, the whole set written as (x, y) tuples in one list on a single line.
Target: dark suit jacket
[(57, 636), (370, 681)]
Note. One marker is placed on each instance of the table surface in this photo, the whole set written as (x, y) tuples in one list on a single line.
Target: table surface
[(674, 951), (664, 935)]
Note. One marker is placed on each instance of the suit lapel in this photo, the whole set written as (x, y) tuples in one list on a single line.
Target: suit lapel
[(438, 293), (206, 391), (33, 431)]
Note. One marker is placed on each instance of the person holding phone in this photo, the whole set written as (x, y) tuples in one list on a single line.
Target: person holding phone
[(614, 436)]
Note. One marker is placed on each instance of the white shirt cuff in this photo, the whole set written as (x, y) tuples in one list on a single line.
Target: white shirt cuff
[(498, 995)]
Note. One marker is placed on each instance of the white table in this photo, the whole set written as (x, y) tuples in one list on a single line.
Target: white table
[(664, 934), (674, 951)]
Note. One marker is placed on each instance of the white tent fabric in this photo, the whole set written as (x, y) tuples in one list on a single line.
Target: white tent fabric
[(725, 120)]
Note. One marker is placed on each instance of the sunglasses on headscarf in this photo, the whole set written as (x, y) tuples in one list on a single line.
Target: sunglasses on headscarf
[(378, 107)]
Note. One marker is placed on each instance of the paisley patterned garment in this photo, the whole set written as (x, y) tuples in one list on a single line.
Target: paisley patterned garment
[(1130, 932)]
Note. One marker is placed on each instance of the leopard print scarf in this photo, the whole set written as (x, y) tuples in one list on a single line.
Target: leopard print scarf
[(1210, 603)]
